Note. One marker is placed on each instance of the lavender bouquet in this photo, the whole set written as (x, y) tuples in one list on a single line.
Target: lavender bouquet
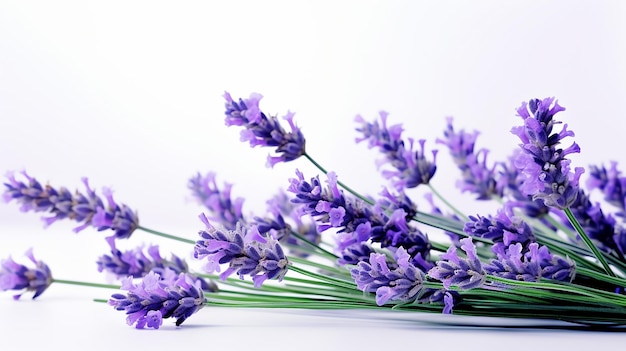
[(549, 252)]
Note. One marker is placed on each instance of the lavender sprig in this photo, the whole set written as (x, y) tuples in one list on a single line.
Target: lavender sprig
[(532, 264), (464, 273), (543, 163), (411, 168), (611, 184), (476, 176), (357, 222), (147, 303), (15, 276), (503, 229), (261, 130), (246, 252), (217, 200), (139, 262), (87, 208), (403, 282)]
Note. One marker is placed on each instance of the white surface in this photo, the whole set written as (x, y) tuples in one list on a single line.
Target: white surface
[(129, 94)]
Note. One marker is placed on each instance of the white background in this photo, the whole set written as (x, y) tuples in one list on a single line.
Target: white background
[(129, 94)]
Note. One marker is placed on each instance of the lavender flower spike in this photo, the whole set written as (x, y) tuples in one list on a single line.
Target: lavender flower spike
[(261, 130), (153, 299), (543, 163), (465, 273), (137, 263), (246, 252), (218, 201), (476, 176), (89, 208), (404, 283), (411, 167), (536, 263), (14, 276)]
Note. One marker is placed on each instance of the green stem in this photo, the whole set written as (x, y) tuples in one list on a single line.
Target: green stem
[(339, 282), (446, 202), (588, 241), (92, 285), (165, 235), (326, 253)]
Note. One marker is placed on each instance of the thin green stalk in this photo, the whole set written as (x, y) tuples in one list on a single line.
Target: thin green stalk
[(340, 271), (165, 235), (338, 282), (446, 202), (326, 253), (79, 283), (587, 240), (600, 276)]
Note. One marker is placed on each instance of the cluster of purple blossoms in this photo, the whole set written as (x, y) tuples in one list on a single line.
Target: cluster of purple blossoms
[(137, 263), (509, 182), (476, 176), (401, 282), (15, 276), (246, 252), (148, 302), (282, 207), (398, 281), (357, 222), (611, 184), (532, 264), (228, 212), (543, 163), (464, 273), (87, 208), (261, 130), (503, 229), (411, 166), (218, 201)]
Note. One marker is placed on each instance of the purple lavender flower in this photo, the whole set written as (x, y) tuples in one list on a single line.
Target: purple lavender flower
[(465, 273), (502, 229), (147, 303), (246, 252), (476, 176), (86, 208), (357, 221), (510, 181), (544, 166), (403, 283), (281, 206), (137, 263), (15, 276), (411, 166), (611, 184), (261, 130), (218, 201), (356, 253), (536, 263)]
